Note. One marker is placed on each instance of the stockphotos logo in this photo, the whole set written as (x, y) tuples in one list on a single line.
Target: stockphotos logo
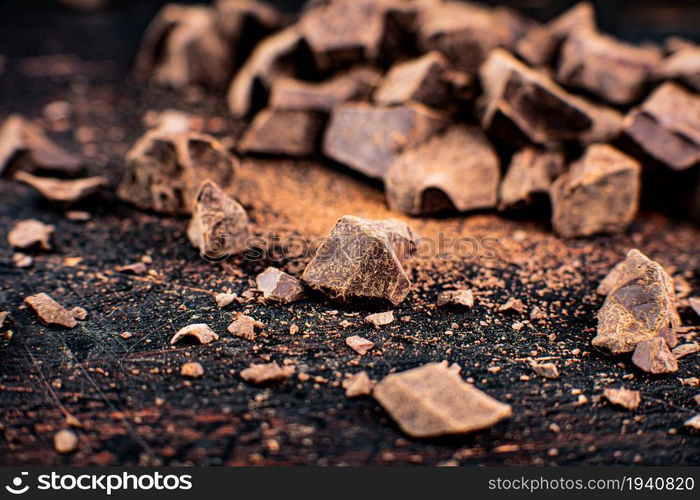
[(106, 483)]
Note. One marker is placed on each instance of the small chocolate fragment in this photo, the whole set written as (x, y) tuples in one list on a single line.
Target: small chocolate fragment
[(654, 356), (513, 305), (433, 400), (623, 397), (197, 331), (615, 71), (244, 326), (279, 286), (380, 319), (65, 441), (640, 306), (133, 268), (79, 313), (22, 260), (362, 259), (546, 370), (359, 344), (667, 126), (268, 372), (530, 174), (50, 312), (219, 224), (62, 190), (192, 369), (369, 139), (599, 194), (283, 132), (683, 66), (225, 299), (30, 233), (457, 169), (460, 298), (421, 80), (685, 349), (357, 385)]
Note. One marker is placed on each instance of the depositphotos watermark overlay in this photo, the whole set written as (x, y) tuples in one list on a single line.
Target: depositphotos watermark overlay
[(273, 248)]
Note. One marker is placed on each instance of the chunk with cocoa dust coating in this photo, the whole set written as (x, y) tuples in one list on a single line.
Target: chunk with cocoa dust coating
[(362, 260), (433, 400), (654, 356), (50, 312), (279, 286)]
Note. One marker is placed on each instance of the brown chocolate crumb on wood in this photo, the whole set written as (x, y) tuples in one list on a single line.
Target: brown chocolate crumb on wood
[(599, 194), (30, 233), (639, 306), (244, 326), (267, 373), (380, 319), (654, 356), (529, 176), (421, 80), (65, 441), (359, 344), (50, 312), (192, 369), (198, 332), (433, 400), (288, 132), (63, 190), (219, 224), (358, 384), (362, 260), (623, 397), (454, 170), (457, 298)]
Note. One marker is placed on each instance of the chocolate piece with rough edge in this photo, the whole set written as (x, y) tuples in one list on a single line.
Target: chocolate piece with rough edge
[(358, 384), (654, 356), (283, 132), (599, 194), (457, 169), (530, 175), (380, 319), (456, 298), (219, 224), (244, 326), (279, 286), (62, 190), (623, 397), (433, 400), (359, 344), (266, 373), (362, 260), (421, 80), (30, 233), (50, 312), (199, 332)]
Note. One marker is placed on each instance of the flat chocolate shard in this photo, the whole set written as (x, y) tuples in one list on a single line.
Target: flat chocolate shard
[(667, 126), (279, 286), (599, 194), (520, 100), (380, 319), (267, 373), (50, 312), (546, 370), (530, 175), (24, 146), (219, 224), (540, 45), (682, 350), (358, 385), (283, 132), (359, 344), (369, 139), (456, 298), (654, 356), (433, 400), (353, 85), (683, 65), (197, 332), (166, 167), (420, 80), (30, 233), (625, 398), (454, 170), (63, 191), (244, 326), (362, 260), (640, 306)]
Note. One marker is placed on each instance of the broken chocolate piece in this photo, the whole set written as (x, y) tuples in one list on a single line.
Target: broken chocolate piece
[(79, 313), (369, 139), (30, 233), (420, 80), (279, 286), (623, 397), (362, 259), (225, 299), (530, 174), (199, 332), (513, 305), (50, 312), (283, 132), (134, 268), (639, 306), (166, 167), (546, 370), (685, 349), (357, 385), (268, 372), (62, 190), (433, 400), (615, 71), (457, 169), (667, 126), (682, 65), (380, 319), (599, 194), (244, 326), (192, 369), (654, 356), (359, 344), (65, 441), (462, 298), (22, 260), (219, 224)]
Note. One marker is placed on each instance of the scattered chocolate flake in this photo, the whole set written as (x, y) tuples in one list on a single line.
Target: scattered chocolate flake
[(530, 175), (225, 299), (279, 286), (285, 132), (380, 319), (695, 304), (50, 312), (599, 194), (459, 298), (22, 260), (65, 441), (362, 259), (623, 397), (654, 356), (640, 306), (268, 372), (433, 400), (513, 305), (133, 268), (79, 313), (62, 190), (438, 175), (358, 384), (219, 224), (359, 344), (683, 350), (192, 369), (199, 332), (244, 326), (546, 370), (420, 80), (693, 422), (30, 233)]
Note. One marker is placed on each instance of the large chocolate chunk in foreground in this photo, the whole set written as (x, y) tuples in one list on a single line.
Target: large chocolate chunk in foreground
[(362, 260)]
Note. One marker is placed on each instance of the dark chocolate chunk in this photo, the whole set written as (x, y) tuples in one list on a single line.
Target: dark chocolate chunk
[(654, 356), (50, 312), (421, 80), (530, 174), (279, 286), (283, 132)]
